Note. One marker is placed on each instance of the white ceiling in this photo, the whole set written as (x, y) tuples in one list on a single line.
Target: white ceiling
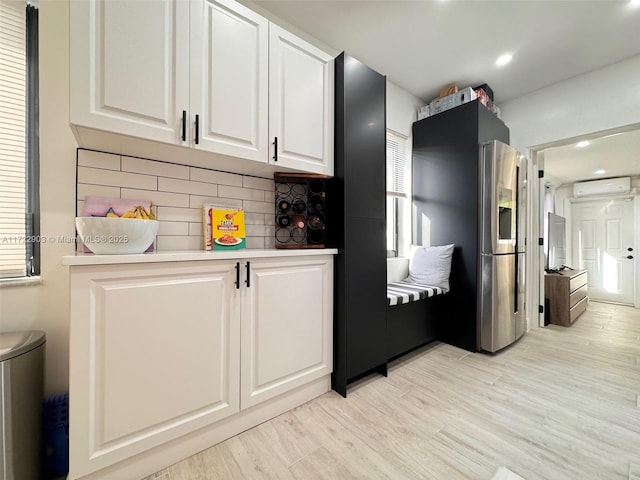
[(425, 45), (617, 154)]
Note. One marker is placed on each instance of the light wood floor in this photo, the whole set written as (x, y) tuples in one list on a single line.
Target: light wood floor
[(562, 403)]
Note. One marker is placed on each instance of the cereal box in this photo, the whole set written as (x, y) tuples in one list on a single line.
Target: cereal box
[(227, 229), (207, 217)]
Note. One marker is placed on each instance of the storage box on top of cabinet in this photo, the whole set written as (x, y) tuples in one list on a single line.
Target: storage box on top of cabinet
[(445, 103)]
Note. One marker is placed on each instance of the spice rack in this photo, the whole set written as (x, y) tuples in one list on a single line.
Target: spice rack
[(300, 201)]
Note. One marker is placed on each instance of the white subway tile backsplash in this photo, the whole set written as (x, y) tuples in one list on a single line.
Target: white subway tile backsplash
[(86, 189), (187, 186), (259, 207), (257, 230), (196, 201), (269, 196), (240, 193), (270, 231), (99, 176), (269, 242), (266, 184), (173, 228), (195, 229), (256, 219), (255, 242), (89, 158), (157, 198), (176, 214), (178, 243), (151, 167), (177, 193), (260, 230), (214, 176)]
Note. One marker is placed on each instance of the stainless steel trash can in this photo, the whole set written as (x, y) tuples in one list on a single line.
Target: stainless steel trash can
[(21, 399)]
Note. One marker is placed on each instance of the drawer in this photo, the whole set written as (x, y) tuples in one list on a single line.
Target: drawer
[(579, 294), (577, 281), (578, 308)]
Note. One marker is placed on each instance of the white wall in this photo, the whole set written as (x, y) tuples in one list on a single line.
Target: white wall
[(402, 111), (600, 100), (46, 306)]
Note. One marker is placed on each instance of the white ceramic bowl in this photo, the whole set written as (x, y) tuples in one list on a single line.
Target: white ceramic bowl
[(113, 236)]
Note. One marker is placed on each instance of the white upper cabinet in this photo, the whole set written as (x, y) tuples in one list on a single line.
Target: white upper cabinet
[(130, 67), (211, 75), (229, 79), (301, 81)]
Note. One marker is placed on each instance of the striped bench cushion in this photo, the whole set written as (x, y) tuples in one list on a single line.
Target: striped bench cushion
[(399, 293)]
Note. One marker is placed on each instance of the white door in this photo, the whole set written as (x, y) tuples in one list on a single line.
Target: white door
[(229, 79), (130, 67), (287, 325), (155, 352), (301, 86), (602, 232)]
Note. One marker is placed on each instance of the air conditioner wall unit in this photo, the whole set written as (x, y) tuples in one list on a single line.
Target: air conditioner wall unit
[(609, 186)]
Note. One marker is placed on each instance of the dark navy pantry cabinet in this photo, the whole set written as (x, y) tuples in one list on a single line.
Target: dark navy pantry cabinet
[(359, 222)]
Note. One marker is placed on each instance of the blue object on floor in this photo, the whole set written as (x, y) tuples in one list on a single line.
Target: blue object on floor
[(56, 436)]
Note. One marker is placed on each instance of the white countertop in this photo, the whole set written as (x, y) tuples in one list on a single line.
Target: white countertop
[(192, 255)]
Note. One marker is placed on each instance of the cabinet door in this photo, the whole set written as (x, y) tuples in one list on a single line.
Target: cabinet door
[(154, 356), (301, 85), (130, 67), (229, 79), (287, 325)]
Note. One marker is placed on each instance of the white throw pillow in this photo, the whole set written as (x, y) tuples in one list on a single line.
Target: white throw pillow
[(431, 266)]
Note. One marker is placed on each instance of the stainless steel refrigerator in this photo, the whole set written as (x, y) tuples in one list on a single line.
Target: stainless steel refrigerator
[(501, 306)]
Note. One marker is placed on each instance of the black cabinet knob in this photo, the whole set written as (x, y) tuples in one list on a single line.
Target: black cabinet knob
[(629, 249), (630, 257)]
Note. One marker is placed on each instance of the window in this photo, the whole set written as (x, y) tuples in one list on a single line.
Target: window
[(19, 230), (398, 172)]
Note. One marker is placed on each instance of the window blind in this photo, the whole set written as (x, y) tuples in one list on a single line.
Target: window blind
[(396, 164), (12, 138)]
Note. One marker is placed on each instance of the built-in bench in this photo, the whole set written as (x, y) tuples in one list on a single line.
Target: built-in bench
[(412, 312), (399, 293)]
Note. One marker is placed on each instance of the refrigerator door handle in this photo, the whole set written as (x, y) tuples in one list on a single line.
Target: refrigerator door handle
[(516, 283)]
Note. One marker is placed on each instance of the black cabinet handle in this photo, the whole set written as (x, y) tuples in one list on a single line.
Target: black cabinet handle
[(275, 149), (184, 125), (630, 257), (197, 124), (237, 276), (248, 280), (629, 249)]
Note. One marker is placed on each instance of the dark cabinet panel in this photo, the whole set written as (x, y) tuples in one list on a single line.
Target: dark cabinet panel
[(364, 140), (358, 228), (446, 158), (366, 298)]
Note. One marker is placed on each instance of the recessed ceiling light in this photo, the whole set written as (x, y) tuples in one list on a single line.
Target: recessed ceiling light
[(599, 172), (503, 59), (634, 3), (582, 144)]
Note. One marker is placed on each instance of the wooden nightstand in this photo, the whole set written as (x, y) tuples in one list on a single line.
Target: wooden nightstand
[(565, 296)]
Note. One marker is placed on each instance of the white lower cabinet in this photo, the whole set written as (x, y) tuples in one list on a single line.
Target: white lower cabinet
[(287, 317), (169, 358)]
